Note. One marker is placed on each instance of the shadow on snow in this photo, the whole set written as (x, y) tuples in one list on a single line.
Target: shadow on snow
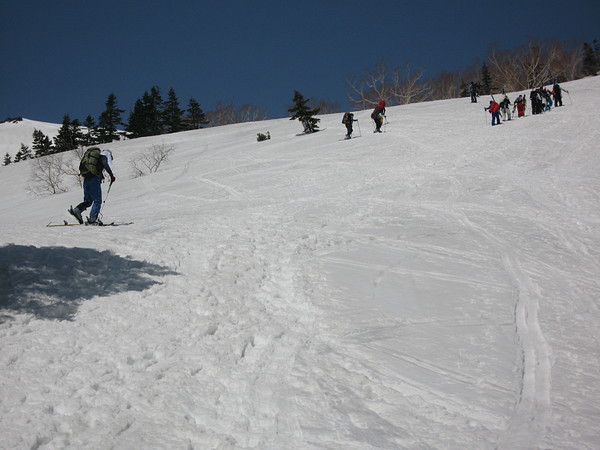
[(51, 282)]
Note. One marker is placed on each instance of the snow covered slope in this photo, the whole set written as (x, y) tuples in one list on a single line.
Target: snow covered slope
[(434, 286), (15, 133)]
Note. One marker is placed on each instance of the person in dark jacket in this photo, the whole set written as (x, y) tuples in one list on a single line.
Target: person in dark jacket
[(536, 102), (347, 120), (92, 168), (473, 91), (505, 108), (558, 94), (378, 116)]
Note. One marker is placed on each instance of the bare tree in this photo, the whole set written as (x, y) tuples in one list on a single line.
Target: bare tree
[(526, 67), (326, 106), (150, 161), (228, 113), (371, 88), (71, 166), (537, 64), (400, 87), (445, 85), (568, 59), (47, 175), (507, 69), (224, 114), (408, 86), (251, 113)]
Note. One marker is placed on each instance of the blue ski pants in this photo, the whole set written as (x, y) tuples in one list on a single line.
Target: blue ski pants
[(92, 196)]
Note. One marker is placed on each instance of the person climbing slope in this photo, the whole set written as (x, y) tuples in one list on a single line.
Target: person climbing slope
[(378, 116), (92, 166)]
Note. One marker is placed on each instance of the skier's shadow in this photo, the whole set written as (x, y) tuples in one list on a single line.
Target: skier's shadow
[(51, 282)]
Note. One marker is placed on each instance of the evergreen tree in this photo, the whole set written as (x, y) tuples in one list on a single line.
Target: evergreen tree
[(136, 124), (146, 117), (303, 113), (19, 155), (172, 114), (109, 120), (79, 137), (23, 154), (155, 112), (90, 137), (591, 59), (195, 117), (7, 159), (486, 80), (41, 145), (69, 135)]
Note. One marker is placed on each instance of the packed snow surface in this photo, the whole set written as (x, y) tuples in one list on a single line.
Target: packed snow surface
[(435, 286)]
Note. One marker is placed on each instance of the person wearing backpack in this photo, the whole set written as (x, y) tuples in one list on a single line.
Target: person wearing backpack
[(505, 108), (557, 92), (494, 110), (378, 115), (91, 168), (520, 105), (347, 120)]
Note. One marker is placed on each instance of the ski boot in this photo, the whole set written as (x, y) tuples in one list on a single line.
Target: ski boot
[(76, 213), (93, 220)]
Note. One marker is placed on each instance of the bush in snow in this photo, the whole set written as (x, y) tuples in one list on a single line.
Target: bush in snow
[(263, 136), (47, 175), (149, 162)]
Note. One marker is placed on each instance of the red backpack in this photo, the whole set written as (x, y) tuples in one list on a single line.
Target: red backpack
[(379, 108)]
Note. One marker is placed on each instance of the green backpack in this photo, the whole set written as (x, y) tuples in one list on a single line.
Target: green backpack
[(90, 165)]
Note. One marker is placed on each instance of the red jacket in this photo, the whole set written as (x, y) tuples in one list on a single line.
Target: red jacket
[(493, 107)]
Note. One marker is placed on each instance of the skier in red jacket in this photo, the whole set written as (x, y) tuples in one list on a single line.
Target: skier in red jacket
[(494, 109), (378, 115)]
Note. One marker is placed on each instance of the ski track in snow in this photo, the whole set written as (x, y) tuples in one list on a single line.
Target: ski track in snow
[(431, 287)]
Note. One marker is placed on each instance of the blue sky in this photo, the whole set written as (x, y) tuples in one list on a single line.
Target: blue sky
[(66, 57)]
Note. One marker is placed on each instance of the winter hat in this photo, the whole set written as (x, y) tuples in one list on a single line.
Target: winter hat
[(109, 156)]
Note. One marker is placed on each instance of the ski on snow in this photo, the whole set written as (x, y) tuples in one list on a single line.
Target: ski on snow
[(67, 224)]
